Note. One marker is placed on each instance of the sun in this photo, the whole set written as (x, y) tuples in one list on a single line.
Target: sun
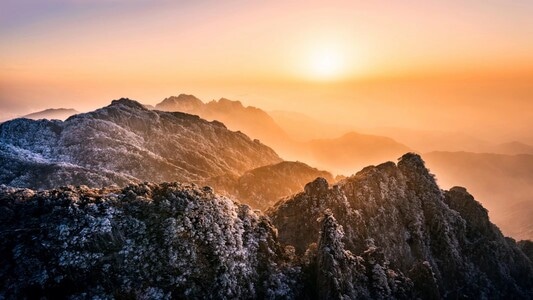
[(325, 63)]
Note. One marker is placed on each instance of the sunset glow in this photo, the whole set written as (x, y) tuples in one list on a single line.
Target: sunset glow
[(287, 149), (326, 63), (371, 60)]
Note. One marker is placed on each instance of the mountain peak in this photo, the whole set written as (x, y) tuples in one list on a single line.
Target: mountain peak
[(52, 113), (128, 103), (232, 103), (318, 186), (413, 162), (182, 102), (184, 98)]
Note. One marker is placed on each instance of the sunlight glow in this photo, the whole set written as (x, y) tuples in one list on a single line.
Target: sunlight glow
[(326, 63)]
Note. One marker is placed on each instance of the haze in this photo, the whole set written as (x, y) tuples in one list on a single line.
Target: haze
[(417, 64), (342, 84)]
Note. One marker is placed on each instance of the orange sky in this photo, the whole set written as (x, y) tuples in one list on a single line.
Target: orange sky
[(475, 57)]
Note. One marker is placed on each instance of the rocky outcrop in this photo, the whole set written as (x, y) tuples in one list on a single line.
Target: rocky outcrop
[(387, 232), (420, 230), (123, 143), (145, 241)]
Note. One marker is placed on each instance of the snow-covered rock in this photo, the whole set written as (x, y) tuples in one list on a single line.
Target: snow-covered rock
[(144, 241), (420, 229), (123, 143)]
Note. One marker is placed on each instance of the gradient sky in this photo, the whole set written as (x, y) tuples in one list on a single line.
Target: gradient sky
[(413, 63)]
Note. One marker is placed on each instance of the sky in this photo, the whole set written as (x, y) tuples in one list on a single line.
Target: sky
[(446, 65)]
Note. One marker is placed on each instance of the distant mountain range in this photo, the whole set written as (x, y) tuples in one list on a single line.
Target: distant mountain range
[(252, 121), (303, 128), (388, 232), (505, 191), (126, 143), (433, 140), (348, 152), (503, 183), (353, 151), (52, 114)]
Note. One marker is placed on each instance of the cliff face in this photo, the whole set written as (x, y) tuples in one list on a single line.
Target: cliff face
[(420, 229), (123, 143)]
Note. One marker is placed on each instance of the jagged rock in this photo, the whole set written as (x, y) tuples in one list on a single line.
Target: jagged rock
[(527, 247), (123, 143), (253, 121), (184, 103), (144, 241), (319, 186), (340, 275), (387, 232), (419, 229), (305, 209)]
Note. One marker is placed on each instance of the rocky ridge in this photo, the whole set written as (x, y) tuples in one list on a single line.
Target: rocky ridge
[(387, 232), (418, 228), (123, 143)]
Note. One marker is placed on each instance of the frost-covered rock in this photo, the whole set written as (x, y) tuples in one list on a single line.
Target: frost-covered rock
[(123, 143), (145, 241), (420, 229), (387, 232)]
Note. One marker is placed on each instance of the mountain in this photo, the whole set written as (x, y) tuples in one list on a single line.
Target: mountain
[(148, 106), (264, 186), (387, 232), (343, 154), (503, 183), (123, 143), (252, 121), (304, 128), (512, 148), (440, 242), (52, 114), (432, 140), (145, 241), (353, 151)]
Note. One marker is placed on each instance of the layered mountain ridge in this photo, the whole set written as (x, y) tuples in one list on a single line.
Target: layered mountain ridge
[(123, 143), (386, 232), (253, 121), (264, 186), (52, 113), (345, 153)]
